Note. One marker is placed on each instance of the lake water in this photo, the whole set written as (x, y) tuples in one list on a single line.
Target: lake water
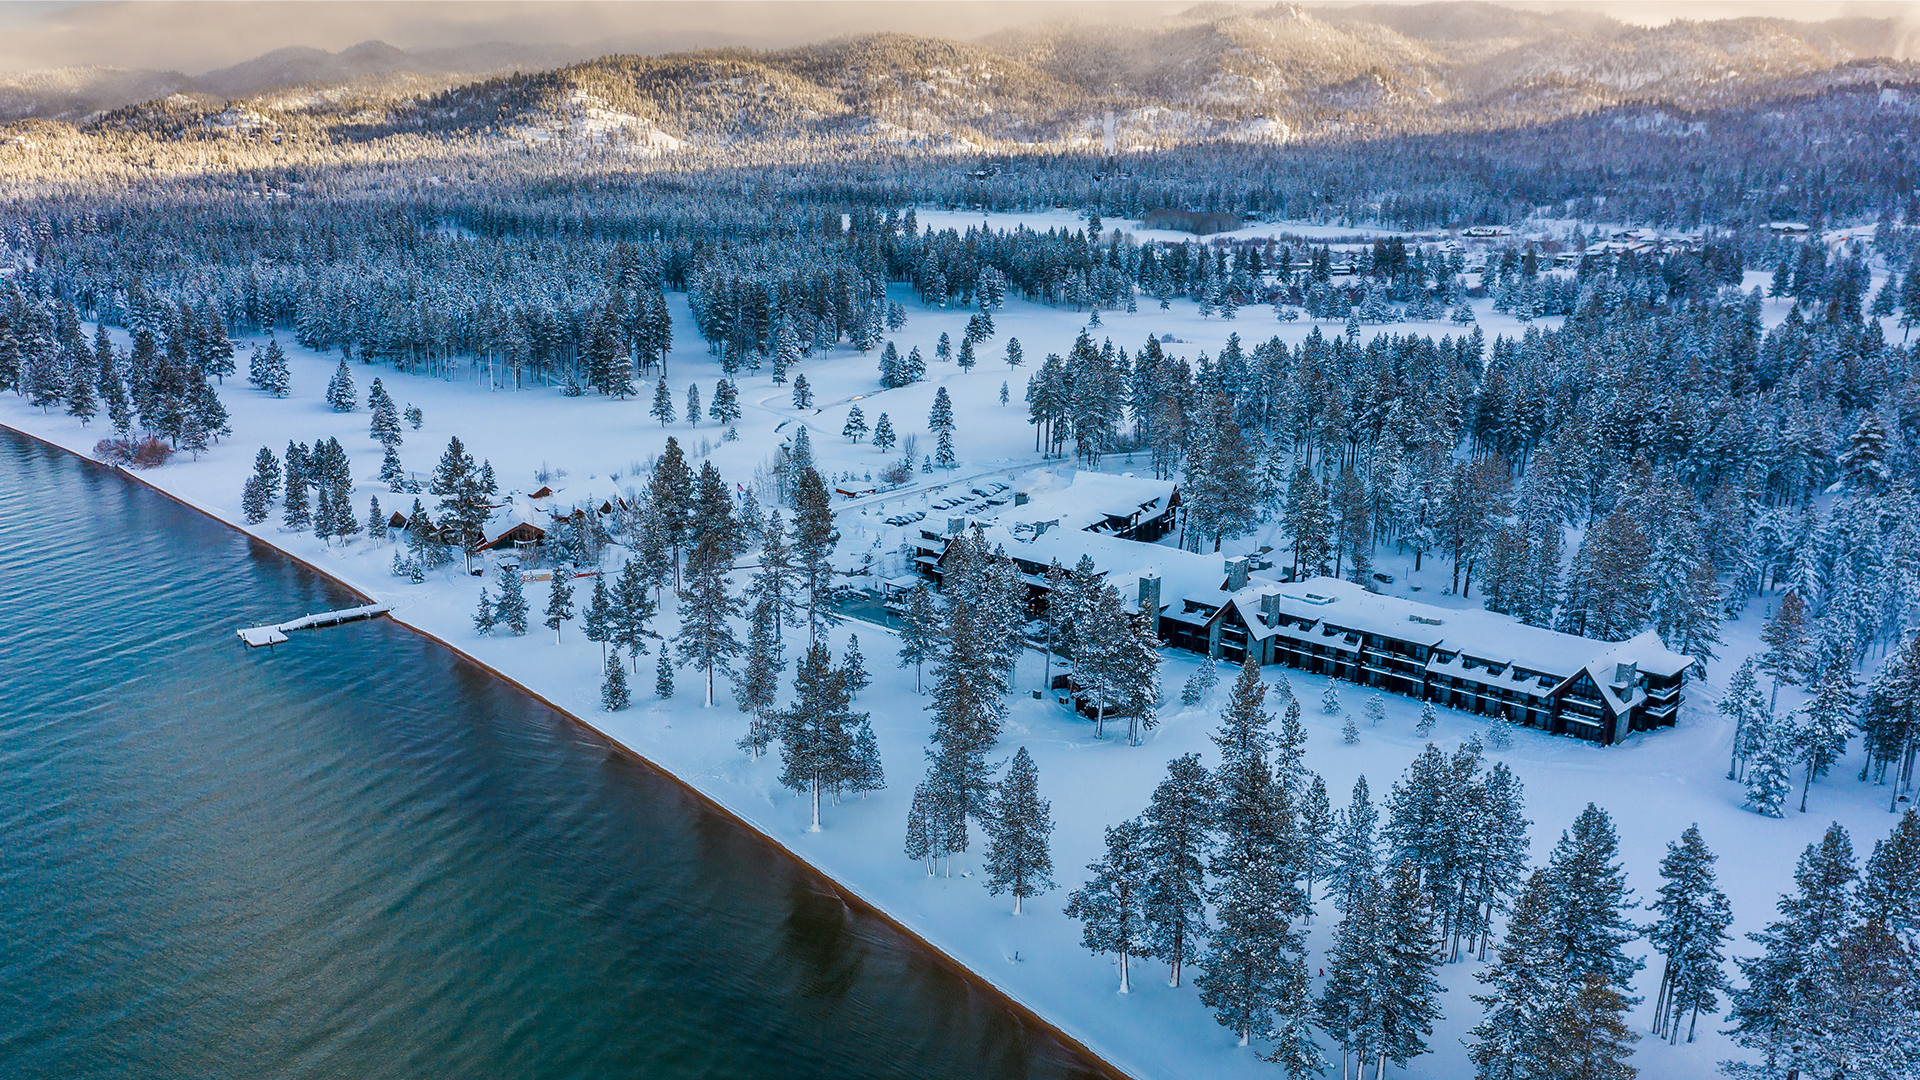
[(358, 856)]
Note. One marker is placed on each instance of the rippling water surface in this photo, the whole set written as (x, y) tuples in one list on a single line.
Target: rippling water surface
[(357, 856)]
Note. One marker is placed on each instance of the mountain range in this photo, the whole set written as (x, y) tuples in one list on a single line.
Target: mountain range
[(1211, 71)]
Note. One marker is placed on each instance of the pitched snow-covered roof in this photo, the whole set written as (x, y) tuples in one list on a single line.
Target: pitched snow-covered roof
[(1087, 502), (1182, 574), (1486, 638)]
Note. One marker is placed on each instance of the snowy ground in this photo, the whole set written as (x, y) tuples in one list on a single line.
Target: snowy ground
[(1654, 785)]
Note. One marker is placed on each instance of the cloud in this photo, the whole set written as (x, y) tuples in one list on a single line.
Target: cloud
[(195, 37)]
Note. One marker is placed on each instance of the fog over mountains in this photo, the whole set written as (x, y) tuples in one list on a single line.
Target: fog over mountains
[(1209, 71)]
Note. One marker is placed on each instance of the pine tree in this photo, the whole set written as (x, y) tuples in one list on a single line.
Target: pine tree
[(1406, 951), (1178, 825), (1588, 1038), (1350, 731), (1110, 906), (854, 663), (802, 393), (1770, 749), (1743, 705), (1427, 718), (1590, 900), (340, 392), (1204, 678), (662, 403), (1350, 1005), (663, 677), (725, 407), (1890, 891), (1822, 737), (268, 371), (630, 608), (384, 427), (1776, 1012), (706, 639), (391, 473), (693, 404), (1254, 954), (814, 538), (484, 619), (298, 513), (1330, 699), (1376, 709), (943, 455), (1317, 827), (919, 630), (376, 521), (1018, 860), (1690, 934), (597, 621), (883, 437), (757, 688), (1354, 857), (856, 425), (940, 417), (559, 601), (1526, 986), (816, 731), (1789, 646), (262, 487), (511, 609), (613, 690)]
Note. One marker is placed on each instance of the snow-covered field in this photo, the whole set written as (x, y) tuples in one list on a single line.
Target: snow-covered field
[(1654, 785)]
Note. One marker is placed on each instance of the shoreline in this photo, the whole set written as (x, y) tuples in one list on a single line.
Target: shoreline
[(847, 895)]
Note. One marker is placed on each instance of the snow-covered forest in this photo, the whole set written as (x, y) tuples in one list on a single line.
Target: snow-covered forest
[(1667, 386)]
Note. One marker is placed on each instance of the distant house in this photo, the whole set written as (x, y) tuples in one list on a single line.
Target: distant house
[(1789, 228), (517, 523)]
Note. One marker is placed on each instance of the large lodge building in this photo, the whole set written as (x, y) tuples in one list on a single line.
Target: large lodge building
[(1471, 660)]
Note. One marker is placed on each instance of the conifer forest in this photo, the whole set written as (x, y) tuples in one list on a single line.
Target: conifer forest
[(685, 382)]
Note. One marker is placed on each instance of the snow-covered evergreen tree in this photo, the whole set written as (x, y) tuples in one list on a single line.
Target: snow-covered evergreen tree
[(559, 601), (1254, 953), (510, 610), (384, 426), (1770, 751), (340, 391), (614, 695), (1018, 857), (1780, 1011), (1690, 934), (1111, 905), (1178, 823), (817, 730), (920, 630), (1821, 737), (484, 619), (663, 677)]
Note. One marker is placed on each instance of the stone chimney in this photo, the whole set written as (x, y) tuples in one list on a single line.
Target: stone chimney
[(1270, 608), (1150, 594), (956, 526), (1236, 573), (1626, 673), (1019, 498)]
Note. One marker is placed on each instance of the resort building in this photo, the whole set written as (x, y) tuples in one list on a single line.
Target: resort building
[(1467, 659)]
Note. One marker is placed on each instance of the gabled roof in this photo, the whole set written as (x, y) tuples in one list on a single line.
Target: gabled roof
[(1087, 502), (1486, 637)]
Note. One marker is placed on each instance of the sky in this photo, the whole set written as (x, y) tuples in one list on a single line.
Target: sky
[(196, 36)]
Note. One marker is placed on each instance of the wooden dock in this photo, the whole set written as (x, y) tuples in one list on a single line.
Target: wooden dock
[(256, 636)]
